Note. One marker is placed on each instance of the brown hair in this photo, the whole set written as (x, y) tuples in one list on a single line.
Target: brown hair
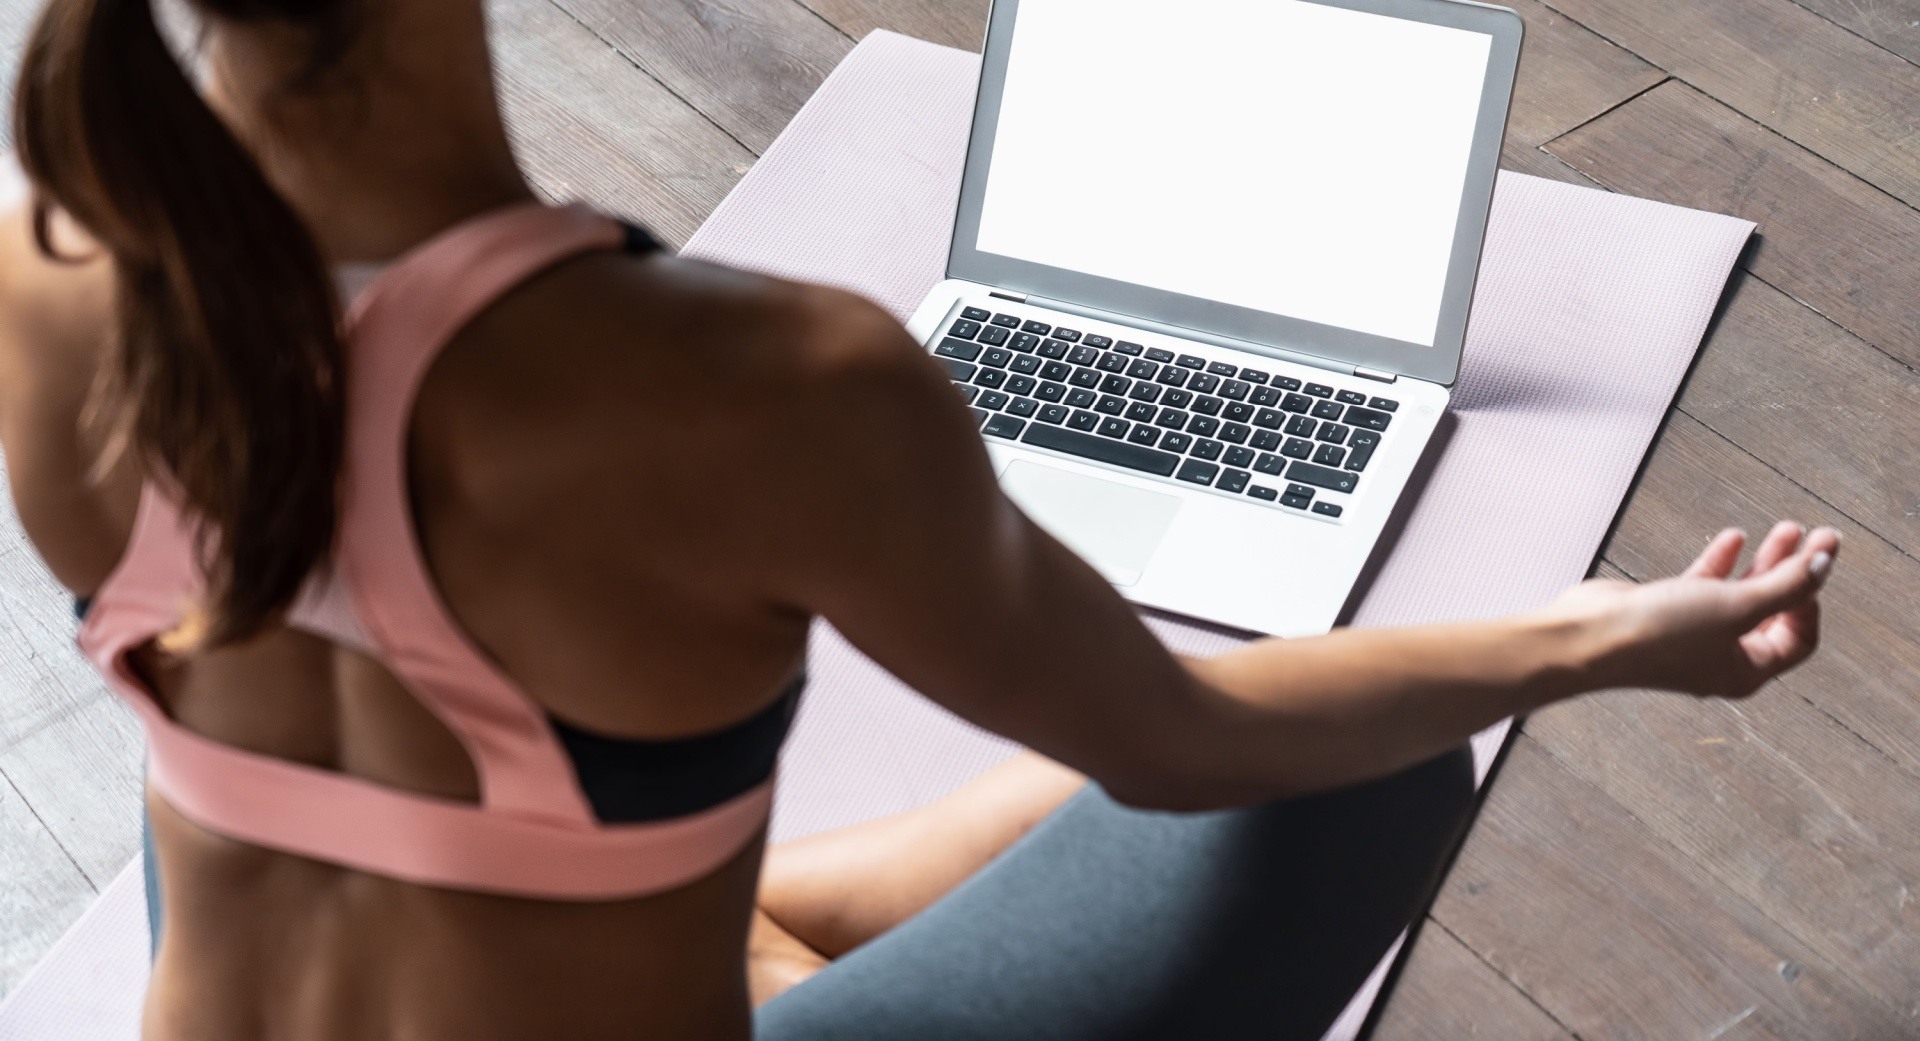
[(226, 372)]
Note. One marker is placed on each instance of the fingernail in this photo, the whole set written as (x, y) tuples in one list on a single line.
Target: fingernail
[(1820, 565)]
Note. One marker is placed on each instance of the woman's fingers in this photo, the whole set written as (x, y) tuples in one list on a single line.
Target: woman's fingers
[(1717, 560), (1790, 582), (1776, 547), (1784, 641)]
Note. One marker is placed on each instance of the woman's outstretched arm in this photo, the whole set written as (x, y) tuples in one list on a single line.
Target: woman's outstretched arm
[(901, 538)]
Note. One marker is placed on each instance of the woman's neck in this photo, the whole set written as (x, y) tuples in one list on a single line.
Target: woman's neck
[(396, 139)]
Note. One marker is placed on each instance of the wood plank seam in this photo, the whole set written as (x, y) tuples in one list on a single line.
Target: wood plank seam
[(51, 834), (1651, 834), (1851, 31), (1519, 728), (828, 22), (663, 84)]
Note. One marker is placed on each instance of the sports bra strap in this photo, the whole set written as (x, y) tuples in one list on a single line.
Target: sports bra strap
[(397, 328)]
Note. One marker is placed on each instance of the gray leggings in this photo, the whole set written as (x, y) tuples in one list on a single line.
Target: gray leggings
[(1107, 923)]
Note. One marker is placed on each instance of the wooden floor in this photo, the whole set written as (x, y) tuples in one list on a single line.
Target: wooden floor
[(1646, 866)]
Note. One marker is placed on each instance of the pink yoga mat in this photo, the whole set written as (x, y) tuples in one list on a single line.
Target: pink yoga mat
[(1589, 310)]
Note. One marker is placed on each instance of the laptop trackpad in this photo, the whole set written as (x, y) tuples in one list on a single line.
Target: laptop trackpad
[(1115, 527)]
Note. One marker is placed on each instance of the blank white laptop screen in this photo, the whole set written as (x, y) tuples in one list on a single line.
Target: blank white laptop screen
[(1284, 156)]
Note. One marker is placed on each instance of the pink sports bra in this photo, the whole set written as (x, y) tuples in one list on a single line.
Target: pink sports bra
[(547, 823)]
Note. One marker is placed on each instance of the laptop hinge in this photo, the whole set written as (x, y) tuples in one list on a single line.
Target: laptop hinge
[(1018, 298), (1149, 325), (1376, 374)]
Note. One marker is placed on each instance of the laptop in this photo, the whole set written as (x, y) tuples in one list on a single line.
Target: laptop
[(1210, 277)]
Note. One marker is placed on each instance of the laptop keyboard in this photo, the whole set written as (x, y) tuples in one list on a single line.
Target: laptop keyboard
[(1277, 439)]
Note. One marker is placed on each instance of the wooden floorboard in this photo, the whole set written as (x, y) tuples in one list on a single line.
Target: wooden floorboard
[(1648, 866)]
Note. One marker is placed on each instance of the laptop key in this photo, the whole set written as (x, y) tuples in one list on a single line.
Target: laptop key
[(1098, 341), (1083, 420), (1266, 396), (1305, 491), (1330, 455), (1203, 382), (964, 329), (958, 369), (1024, 342), (1332, 433), (1007, 321), (1172, 376), (1208, 406), (1080, 397), (1233, 481), (1172, 418), (1023, 407), (1286, 383), (1253, 375), (1144, 391), (1384, 404), (1319, 390), (1142, 412), (1234, 390), (976, 314), (1069, 335), (1298, 502), (1301, 426), (1266, 440), (1036, 328), (997, 358), (1021, 384), (993, 401), (1296, 403), (994, 335), (1236, 433), (1198, 472), (1327, 410), (1131, 349), (961, 349), (1143, 434), (1297, 448), (1054, 348), (1115, 428), (990, 377), (1188, 361), (1143, 370), (1321, 477), (1177, 398), (1267, 418), (1084, 377), (1056, 371), (1119, 453), (1360, 449), (1352, 397), (1026, 364), (1326, 509), (1262, 492), (1174, 441), (1159, 354), (1207, 449), (1005, 426), (1054, 413), (1239, 411), (1110, 405), (1202, 426), (1368, 419), (1221, 368), (968, 392), (1269, 463), (1083, 355), (1239, 456), (1051, 391), (1111, 362)]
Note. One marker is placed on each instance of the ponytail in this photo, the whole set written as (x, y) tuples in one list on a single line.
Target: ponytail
[(226, 374)]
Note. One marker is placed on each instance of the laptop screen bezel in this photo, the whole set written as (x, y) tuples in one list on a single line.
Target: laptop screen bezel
[(1438, 363)]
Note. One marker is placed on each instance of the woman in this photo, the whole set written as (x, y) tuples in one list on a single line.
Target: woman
[(465, 628)]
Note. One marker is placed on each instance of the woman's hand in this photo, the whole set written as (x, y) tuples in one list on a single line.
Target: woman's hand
[(1707, 632)]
